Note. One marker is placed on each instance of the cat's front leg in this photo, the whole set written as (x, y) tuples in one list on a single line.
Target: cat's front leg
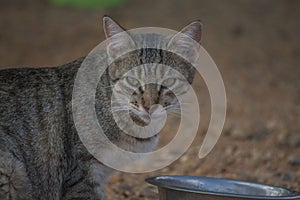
[(86, 181), (14, 182)]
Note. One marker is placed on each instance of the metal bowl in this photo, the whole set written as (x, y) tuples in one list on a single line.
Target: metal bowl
[(204, 188)]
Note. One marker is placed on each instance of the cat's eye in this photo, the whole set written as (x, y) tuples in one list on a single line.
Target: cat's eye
[(132, 81), (169, 82)]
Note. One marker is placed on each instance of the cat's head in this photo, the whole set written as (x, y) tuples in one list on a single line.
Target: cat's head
[(148, 80)]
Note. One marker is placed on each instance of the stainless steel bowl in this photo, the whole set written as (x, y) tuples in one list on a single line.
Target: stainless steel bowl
[(203, 188)]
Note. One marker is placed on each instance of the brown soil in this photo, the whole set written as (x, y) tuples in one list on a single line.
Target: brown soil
[(256, 46)]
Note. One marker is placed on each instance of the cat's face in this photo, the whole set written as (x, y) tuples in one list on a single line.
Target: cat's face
[(149, 81), (149, 89)]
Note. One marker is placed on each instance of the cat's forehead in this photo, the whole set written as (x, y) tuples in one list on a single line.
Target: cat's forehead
[(153, 40), (153, 71), (157, 60)]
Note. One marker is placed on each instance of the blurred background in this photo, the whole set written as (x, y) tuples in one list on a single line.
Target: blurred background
[(255, 44)]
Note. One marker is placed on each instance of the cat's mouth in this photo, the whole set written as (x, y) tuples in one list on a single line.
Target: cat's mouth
[(143, 118), (140, 120), (145, 139)]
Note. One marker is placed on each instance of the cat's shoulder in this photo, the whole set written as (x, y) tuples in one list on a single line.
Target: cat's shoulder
[(43, 73)]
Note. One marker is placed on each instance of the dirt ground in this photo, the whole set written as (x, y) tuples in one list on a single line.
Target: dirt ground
[(256, 46)]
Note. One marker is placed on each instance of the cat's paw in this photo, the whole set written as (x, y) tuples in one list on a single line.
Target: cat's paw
[(14, 183)]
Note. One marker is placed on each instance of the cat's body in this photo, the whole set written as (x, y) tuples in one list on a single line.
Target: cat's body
[(41, 155)]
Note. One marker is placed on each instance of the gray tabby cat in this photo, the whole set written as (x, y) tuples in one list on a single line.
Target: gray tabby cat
[(41, 155)]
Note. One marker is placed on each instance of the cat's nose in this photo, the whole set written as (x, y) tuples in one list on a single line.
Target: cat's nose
[(151, 109), (147, 108)]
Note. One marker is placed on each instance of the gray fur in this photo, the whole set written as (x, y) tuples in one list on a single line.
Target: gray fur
[(38, 139), (41, 156)]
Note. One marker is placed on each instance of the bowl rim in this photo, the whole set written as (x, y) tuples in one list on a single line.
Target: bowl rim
[(155, 181)]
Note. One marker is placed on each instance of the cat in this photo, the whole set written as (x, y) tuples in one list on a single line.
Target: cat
[(41, 155)]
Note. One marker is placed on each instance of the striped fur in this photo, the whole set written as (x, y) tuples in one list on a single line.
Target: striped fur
[(41, 156)]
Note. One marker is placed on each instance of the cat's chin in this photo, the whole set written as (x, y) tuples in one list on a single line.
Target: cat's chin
[(146, 139), (140, 120)]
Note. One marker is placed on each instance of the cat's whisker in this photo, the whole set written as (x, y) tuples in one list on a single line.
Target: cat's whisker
[(170, 106), (178, 112), (120, 107), (120, 102), (114, 104), (118, 98), (134, 106), (175, 110), (185, 103), (117, 110), (102, 86), (175, 114), (115, 99)]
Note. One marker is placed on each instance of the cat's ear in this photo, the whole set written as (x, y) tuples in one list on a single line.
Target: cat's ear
[(118, 40), (187, 42)]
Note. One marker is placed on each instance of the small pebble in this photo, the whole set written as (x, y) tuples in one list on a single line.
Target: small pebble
[(126, 190), (148, 192), (288, 176), (247, 176), (282, 139), (238, 133), (260, 133), (294, 140), (294, 159), (230, 150)]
